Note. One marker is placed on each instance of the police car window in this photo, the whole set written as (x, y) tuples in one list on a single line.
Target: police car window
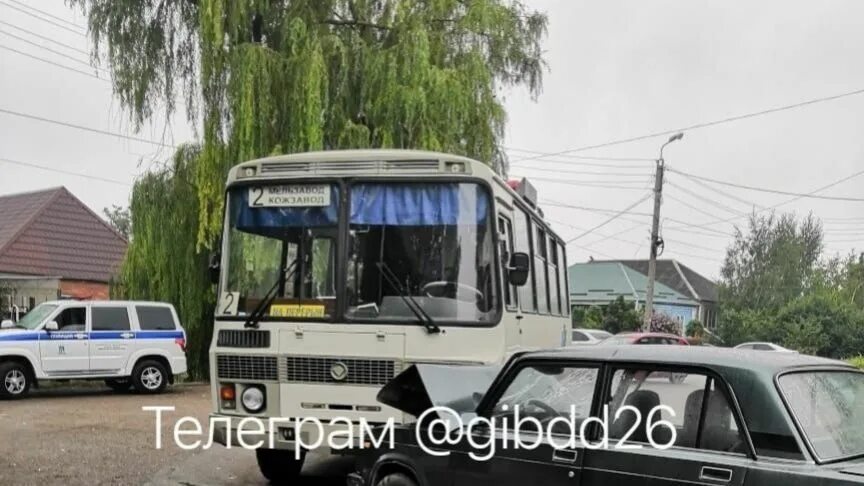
[(72, 319), (153, 318), (110, 319)]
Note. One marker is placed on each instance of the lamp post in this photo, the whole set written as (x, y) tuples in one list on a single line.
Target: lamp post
[(655, 229)]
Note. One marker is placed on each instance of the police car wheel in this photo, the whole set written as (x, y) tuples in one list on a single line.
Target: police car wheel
[(150, 377), (14, 380), (119, 385), (279, 466), (396, 479)]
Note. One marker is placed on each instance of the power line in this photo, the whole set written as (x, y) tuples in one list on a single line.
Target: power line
[(613, 218), (772, 191), (689, 205), (61, 171), (45, 38), (696, 126), (582, 172), (25, 12), (61, 19), (36, 44), (704, 199), (87, 129), (42, 59), (587, 184), (585, 208), (583, 157), (828, 186)]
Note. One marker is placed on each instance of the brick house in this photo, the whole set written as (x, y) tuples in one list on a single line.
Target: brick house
[(53, 246)]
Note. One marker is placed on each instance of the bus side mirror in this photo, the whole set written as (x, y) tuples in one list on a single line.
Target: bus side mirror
[(213, 267), (517, 271)]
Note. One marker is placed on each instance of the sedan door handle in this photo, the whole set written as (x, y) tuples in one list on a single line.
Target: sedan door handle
[(716, 474), (567, 456)]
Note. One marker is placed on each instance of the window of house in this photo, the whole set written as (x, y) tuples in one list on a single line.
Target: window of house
[(155, 318), (110, 319)]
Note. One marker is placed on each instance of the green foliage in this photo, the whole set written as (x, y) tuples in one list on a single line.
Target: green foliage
[(858, 362), (119, 219), (163, 261), (617, 316), (319, 74), (695, 329), (263, 78), (773, 263)]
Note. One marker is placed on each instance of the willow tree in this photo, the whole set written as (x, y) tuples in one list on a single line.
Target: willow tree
[(265, 76)]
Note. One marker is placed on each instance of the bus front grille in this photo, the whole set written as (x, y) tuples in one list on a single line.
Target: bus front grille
[(253, 368), (233, 338), (349, 371)]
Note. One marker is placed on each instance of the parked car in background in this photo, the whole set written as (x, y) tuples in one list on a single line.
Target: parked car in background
[(646, 338), (589, 336), (740, 419), (127, 344), (765, 347)]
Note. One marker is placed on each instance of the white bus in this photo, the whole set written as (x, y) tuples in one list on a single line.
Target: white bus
[(339, 269)]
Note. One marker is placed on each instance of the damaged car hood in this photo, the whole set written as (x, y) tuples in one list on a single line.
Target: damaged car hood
[(424, 386)]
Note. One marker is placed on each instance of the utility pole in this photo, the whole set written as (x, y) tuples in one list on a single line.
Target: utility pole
[(655, 234)]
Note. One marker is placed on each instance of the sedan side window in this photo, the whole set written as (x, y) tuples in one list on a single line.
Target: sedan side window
[(546, 392), (699, 425), (579, 336)]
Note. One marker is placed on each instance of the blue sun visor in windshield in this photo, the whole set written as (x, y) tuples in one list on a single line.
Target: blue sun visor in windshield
[(410, 204), (261, 219)]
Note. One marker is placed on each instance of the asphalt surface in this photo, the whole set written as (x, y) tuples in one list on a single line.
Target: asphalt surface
[(74, 435)]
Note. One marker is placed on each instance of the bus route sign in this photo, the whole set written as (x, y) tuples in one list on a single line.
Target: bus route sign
[(290, 196)]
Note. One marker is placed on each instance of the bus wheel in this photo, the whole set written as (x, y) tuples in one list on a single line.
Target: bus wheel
[(396, 479), (279, 466)]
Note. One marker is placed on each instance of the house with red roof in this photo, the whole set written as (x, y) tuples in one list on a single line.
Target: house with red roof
[(53, 246)]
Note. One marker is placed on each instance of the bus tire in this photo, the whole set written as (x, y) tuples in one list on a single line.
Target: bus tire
[(279, 466), (396, 479)]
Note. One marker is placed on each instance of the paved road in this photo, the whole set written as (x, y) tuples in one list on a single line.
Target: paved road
[(87, 436)]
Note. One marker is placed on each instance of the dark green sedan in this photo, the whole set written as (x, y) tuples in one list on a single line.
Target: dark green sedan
[(603, 415)]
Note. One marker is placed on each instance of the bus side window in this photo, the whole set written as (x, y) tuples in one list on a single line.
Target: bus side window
[(522, 237), (505, 236), (541, 278), (554, 290), (562, 280)]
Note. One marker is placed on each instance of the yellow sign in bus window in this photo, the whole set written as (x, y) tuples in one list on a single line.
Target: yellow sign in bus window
[(296, 310)]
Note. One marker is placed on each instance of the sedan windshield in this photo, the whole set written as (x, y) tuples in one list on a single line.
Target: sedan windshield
[(426, 245), (829, 406), (36, 316)]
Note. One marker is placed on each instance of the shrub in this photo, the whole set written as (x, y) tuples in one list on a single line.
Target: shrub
[(665, 324), (858, 362)]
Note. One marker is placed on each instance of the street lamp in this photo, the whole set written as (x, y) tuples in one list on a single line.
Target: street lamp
[(655, 229)]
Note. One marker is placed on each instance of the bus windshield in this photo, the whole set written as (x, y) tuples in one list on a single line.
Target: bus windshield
[(281, 238), (409, 244), (435, 238)]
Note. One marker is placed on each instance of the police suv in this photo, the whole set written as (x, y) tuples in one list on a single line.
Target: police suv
[(127, 344)]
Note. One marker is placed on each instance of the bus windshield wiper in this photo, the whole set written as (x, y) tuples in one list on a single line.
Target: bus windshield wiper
[(256, 315), (412, 304)]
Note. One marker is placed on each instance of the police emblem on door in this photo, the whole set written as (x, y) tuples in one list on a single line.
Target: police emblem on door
[(339, 371)]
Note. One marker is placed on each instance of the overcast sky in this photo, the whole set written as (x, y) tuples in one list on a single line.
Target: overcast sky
[(617, 69)]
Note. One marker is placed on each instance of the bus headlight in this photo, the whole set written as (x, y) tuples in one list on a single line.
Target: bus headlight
[(252, 399)]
